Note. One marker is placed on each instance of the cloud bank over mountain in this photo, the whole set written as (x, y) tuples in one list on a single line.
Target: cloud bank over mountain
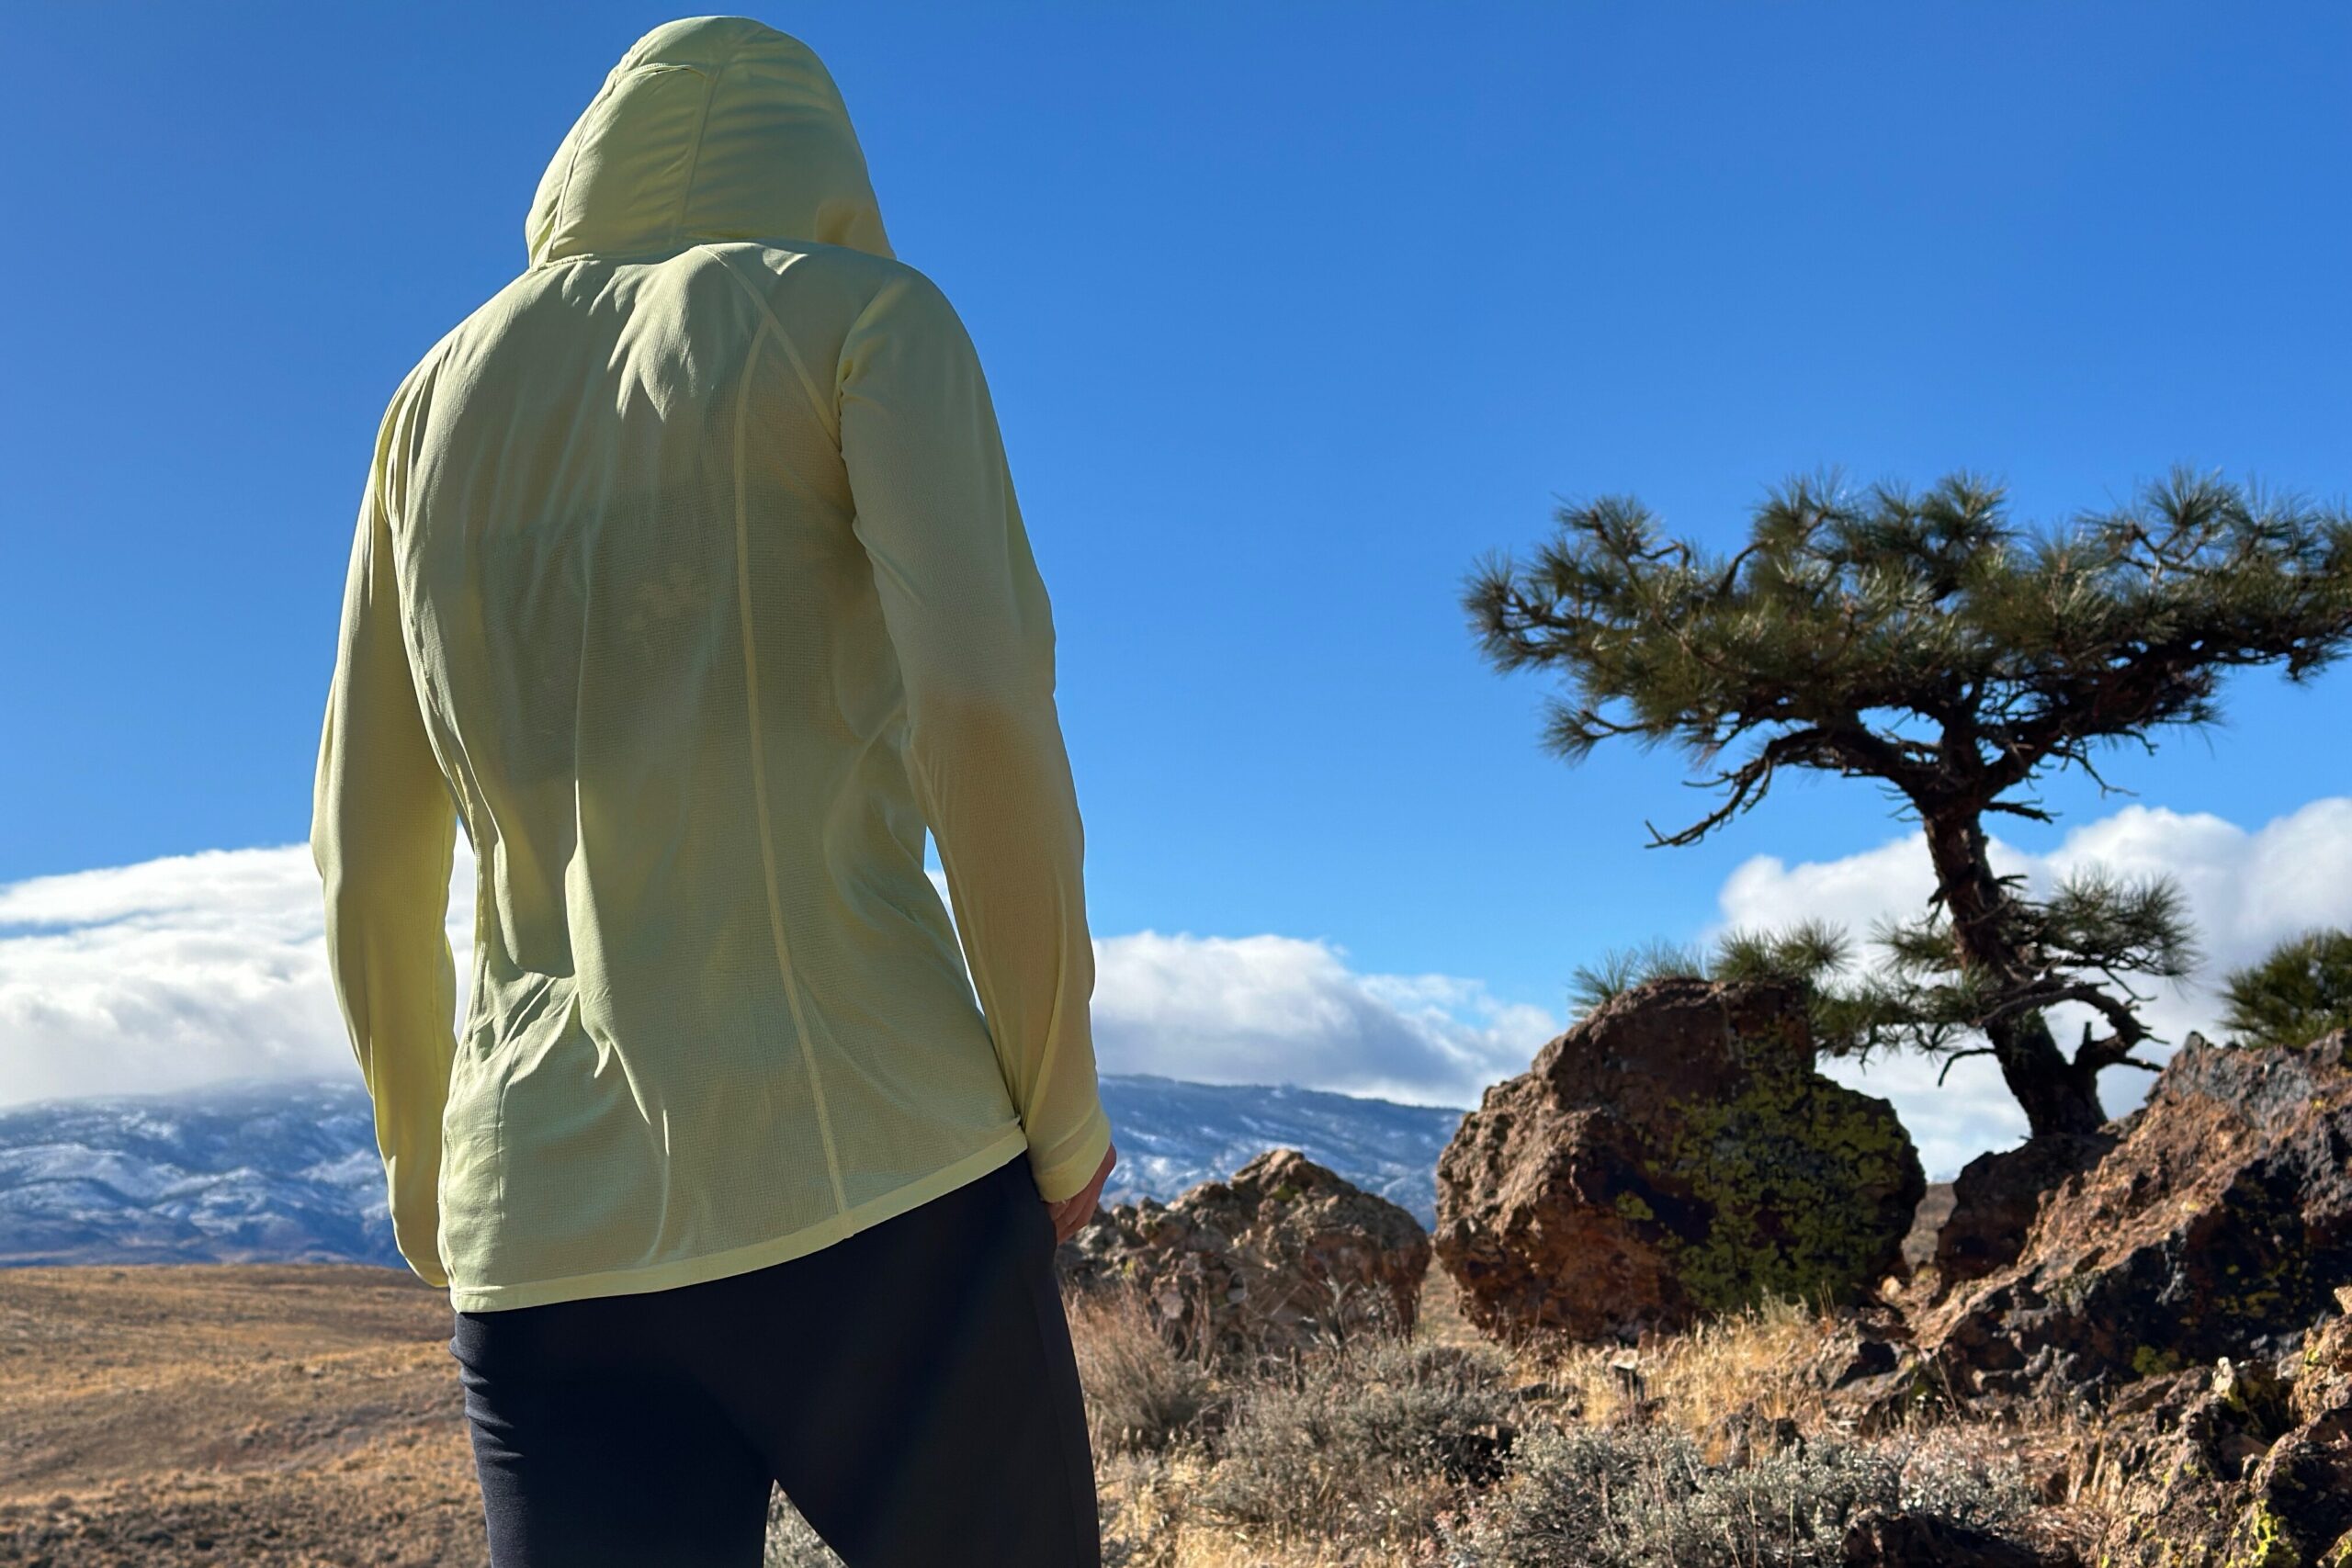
[(185, 971), (165, 975), (1277, 1009)]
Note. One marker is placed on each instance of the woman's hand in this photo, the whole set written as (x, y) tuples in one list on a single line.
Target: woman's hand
[(1071, 1215)]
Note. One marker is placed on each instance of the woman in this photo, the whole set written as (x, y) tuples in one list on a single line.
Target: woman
[(689, 578)]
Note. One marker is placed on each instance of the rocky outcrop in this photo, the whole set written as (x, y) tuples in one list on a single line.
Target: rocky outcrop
[(1927, 1222), (1871, 1378), (2234, 1466), (1997, 1198), (2166, 1471), (2217, 1226), (1921, 1540), (2300, 1501), (1283, 1255), (1673, 1155)]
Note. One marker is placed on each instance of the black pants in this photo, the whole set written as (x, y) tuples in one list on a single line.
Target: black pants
[(911, 1389)]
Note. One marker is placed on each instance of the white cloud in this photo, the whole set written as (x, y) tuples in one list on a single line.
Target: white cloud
[(177, 972), (1279, 1009), (168, 974), (162, 975), (2246, 891)]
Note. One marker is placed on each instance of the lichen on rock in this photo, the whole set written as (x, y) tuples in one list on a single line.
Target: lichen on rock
[(1780, 1166), (1676, 1153), (2218, 1225)]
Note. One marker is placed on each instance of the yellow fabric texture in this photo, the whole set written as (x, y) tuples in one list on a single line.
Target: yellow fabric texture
[(690, 580)]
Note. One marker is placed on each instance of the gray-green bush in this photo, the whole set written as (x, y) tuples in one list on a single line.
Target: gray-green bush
[(1363, 1444), (1143, 1395), (791, 1543), (1644, 1498)]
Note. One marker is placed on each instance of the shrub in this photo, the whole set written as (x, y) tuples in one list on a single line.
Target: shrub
[(1142, 1394), (1364, 1444), (1641, 1497), (791, 1542)]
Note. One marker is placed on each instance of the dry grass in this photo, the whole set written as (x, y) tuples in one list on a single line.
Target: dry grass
[(1142, 1395), (1689, 1382), (1152, 1518), (187, 1415), (1342, 1457), (177, 1415)]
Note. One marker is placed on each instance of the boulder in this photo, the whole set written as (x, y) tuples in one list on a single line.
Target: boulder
[(2164, 1471), (1263, 1266), (1870, 1376), (2322, 1370), (1899, 1539), (2300, 1503), (2217, 1226), (1673, 1155), (2229, 1467), (1927, 1222), (1996, 1199)]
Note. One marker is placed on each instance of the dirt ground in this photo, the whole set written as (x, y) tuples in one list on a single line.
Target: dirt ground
[(278, 1414)]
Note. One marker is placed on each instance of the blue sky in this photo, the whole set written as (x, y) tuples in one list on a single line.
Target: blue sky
[(1291, 311)]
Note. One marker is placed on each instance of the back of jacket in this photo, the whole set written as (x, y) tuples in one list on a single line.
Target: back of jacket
[(689, 577)]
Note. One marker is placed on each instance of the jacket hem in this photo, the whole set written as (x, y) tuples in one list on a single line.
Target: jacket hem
[(696, 1270)]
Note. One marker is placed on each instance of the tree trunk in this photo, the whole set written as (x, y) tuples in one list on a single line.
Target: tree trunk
[(2056, 1094)]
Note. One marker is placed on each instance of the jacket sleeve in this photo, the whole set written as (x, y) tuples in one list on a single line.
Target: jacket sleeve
[(383, 832), (974, 634)]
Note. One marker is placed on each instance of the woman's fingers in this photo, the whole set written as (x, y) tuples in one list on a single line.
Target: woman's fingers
[(1071, 1215)]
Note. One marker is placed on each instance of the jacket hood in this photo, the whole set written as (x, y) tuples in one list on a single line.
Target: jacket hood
[(712, 128)]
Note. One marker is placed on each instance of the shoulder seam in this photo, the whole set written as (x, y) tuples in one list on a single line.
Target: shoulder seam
[(817, 401)]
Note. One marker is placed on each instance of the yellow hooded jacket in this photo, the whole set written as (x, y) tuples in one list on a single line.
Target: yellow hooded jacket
[(689, 577)]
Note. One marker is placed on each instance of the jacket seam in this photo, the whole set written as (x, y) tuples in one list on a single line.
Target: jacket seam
[(889, 292), (694, 153), (760, 788), (825, 416), (571, 165), (398, 417)]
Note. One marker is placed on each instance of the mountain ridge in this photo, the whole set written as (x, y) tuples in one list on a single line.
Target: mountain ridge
[(258, 1170)]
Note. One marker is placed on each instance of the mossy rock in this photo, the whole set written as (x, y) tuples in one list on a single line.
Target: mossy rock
[(1674, 1156), (1809, 1188)]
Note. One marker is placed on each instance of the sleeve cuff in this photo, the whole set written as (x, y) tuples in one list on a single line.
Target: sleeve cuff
[(1064, 1170)]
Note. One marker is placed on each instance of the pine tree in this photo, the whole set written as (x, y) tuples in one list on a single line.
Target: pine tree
[(2302, 989), (1924, 642)]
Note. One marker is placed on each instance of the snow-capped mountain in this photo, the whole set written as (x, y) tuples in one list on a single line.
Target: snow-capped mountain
[(243, 1171), (281, 1170), (1172, 1134)]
